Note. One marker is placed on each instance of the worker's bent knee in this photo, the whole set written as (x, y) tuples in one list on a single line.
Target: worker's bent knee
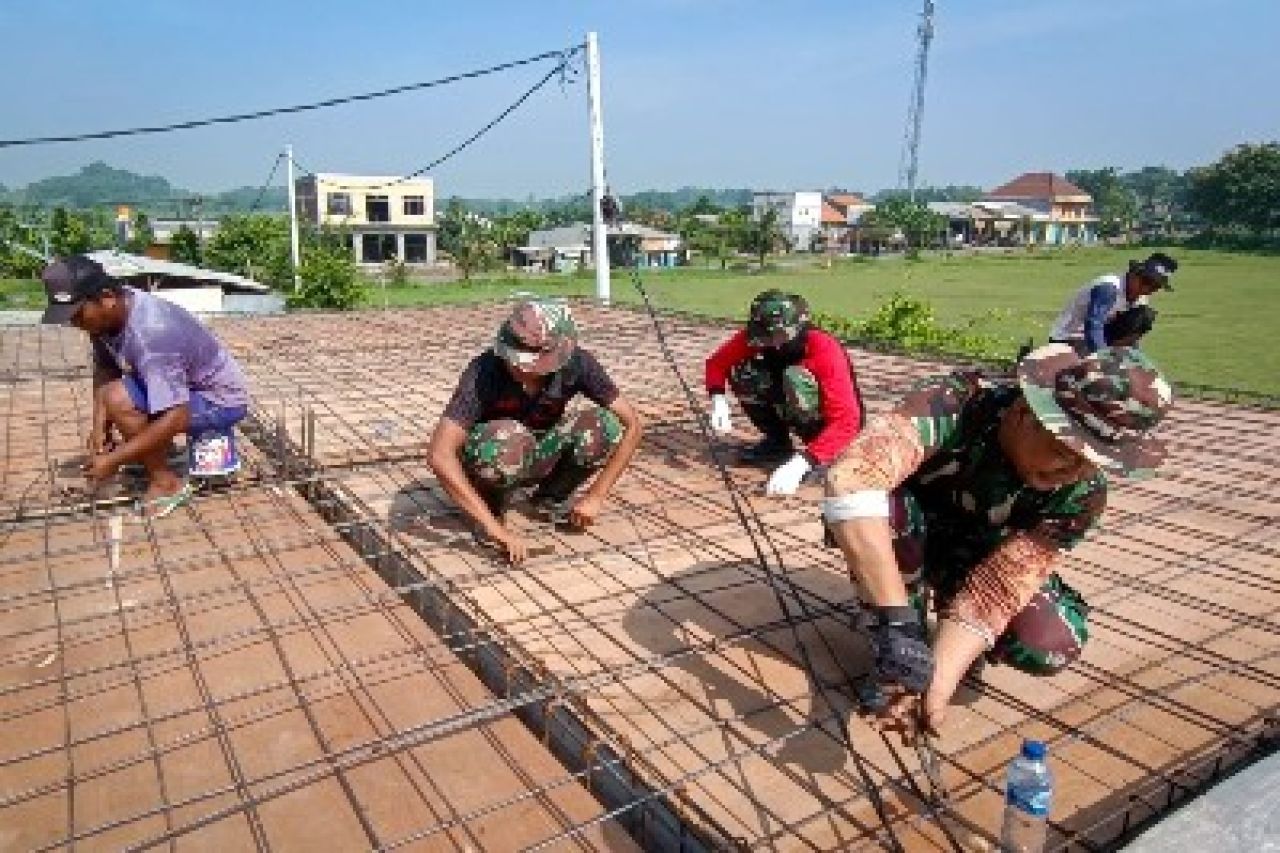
[(596, 432), (802, 393), (1048, 635), (498, 453)]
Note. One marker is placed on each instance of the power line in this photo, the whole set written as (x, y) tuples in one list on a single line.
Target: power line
[(297, 108), (565, 58), (263, 190)]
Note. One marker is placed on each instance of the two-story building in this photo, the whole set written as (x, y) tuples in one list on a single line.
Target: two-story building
[(799, 215), (386, 218), (1065, 210)]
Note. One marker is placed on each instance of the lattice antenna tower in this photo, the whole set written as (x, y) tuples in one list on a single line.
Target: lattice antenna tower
[(908, 166)]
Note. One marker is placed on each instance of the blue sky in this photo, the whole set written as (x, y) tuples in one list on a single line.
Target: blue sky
[(776, 94)]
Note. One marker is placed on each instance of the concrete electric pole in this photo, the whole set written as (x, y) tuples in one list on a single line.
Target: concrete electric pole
[(294, 252), (599, 231)]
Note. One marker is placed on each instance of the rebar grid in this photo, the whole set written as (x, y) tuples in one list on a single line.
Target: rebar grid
[(243, 667)]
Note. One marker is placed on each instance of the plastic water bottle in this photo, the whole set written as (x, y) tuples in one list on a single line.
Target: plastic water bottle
[(1028, 795)]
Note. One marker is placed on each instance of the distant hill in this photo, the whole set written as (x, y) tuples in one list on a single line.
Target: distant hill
[(100, 185)]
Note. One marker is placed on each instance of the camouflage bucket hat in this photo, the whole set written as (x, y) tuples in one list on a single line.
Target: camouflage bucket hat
[(776, 318), (538, 337), (1102, 406)]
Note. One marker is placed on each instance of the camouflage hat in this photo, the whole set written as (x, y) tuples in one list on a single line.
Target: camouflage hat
[(776, 318), (1102, 406), (538, 337)]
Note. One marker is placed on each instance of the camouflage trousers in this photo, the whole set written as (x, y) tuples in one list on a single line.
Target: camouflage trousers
[(1044, 638), (502, 455), (778, 403)]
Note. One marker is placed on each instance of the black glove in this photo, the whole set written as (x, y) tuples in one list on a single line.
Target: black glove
[(1134, 323), (902, 650)]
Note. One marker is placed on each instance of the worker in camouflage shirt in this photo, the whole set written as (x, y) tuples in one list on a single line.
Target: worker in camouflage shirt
[(972, 488), (506, 426)]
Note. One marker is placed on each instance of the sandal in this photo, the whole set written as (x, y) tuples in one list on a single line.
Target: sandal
[(162, 507)]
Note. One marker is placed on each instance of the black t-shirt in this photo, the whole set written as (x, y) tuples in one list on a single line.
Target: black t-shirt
[(487, 391)]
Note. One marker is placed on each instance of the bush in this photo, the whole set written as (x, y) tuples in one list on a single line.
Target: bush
[(396, 273), (330, 280), (253, 245), (909, 323)]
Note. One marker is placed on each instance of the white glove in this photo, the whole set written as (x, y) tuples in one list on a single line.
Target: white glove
[(786, 478), (720, 414)]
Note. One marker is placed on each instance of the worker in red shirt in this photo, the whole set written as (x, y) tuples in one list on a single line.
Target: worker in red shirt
[(788, 377)]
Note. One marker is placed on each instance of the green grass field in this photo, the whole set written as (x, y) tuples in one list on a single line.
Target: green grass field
[(19, 294), (1219, 328)]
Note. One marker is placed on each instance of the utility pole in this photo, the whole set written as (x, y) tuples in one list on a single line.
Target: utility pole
[(294, 252), (909, 166), (599, 234)]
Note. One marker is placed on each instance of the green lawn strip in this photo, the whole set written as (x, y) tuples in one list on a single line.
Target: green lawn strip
[(1217, 329)]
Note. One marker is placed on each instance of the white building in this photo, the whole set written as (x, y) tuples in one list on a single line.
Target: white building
[(387, 218), (799, 214)]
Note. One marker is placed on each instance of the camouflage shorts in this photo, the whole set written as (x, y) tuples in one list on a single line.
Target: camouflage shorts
[(1044, 637), (796, 399), (506, 453)]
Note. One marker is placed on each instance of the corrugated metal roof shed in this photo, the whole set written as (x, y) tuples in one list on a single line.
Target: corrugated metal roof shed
[(126, 265)]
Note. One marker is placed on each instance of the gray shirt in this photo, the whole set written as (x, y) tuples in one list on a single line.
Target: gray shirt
[(172, 354)]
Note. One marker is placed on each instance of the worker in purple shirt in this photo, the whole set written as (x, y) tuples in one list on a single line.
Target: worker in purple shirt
[(157, 372), (1113, 310)]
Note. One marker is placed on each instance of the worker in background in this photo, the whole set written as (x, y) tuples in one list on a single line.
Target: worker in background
[(789, 377), (973, 488), (506, 427), (1117, 300), (157, 372)]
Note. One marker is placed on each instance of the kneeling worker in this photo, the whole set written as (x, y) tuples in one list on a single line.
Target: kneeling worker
[(974, 488), (506, 427), (157, 372), (1113, 310), (789, 377)]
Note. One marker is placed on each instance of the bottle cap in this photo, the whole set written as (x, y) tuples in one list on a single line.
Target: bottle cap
[(1034, 750)]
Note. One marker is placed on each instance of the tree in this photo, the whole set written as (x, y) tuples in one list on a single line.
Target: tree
[(476, 248), (185, 247), (254, 245), (143, 236), (763, 236), (916, 222), (1115, 204), (19, 252), (705, 206), (1241, 190), (449, 232), (1160, 193), (511, 230), (68, 234), (924, 195), (717, 240), (472, 241), (329, 277)]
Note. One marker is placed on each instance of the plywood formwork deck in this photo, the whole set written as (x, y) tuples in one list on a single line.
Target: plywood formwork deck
[(664, 630)]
